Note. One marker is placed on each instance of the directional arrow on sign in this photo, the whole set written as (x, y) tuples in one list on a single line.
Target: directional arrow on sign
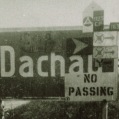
[(106, 38), (111, 37), (102, 37), (112, 52), (79, 46), (105, 52)]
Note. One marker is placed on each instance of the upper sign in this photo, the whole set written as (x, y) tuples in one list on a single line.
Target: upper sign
[(88, 17), (98, 20), (114, 26), (107, 38)]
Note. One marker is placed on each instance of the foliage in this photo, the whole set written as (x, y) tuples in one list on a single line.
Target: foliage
[(38, 109)]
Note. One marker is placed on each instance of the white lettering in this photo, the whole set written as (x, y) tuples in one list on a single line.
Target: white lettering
[(59, 58), (39, 66), (27, 65), (10, 50), (78, 64)]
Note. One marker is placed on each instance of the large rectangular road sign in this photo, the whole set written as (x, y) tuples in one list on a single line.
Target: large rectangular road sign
[(33, 61), (43, 59)]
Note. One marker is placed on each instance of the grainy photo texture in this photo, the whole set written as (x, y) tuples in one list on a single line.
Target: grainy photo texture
[(59, 59)]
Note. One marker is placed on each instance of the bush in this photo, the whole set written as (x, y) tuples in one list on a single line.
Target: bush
[(60, 110)]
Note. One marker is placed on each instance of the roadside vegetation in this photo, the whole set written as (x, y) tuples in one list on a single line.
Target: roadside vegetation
[(38, 109)]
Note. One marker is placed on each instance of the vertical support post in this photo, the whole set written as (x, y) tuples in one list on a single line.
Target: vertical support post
[(104, 109)]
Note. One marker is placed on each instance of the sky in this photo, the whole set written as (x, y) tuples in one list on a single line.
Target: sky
[(39, 13)]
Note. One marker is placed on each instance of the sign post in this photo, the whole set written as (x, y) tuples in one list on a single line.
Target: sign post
[(104, 110)]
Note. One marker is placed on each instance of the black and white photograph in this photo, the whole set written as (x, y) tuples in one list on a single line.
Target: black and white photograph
[(59, 59)]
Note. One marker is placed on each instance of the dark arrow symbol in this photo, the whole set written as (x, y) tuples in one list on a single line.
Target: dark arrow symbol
[(101, 37), (112, 52), (111, 37)]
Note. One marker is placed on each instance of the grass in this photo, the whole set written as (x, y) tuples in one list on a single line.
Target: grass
[(61, 110)]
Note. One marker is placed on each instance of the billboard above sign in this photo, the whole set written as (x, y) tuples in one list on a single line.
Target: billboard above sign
[(107, 38)]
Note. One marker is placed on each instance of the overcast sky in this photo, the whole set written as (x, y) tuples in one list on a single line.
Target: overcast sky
[(36, 13)]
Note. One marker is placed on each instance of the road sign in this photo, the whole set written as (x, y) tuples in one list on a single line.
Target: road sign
[(106, 64), (114, 26), (25, 53), (107, 38), (88, 17), (105, 52), (92, 86), (98, 20)]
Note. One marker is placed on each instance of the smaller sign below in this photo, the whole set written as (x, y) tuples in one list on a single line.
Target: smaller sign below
[(98, 20), (106, 64), (107, 38), (114, 26), (91, 86), (105, 52)]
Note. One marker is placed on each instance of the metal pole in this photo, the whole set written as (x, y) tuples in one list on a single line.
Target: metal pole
[(104, 110)]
